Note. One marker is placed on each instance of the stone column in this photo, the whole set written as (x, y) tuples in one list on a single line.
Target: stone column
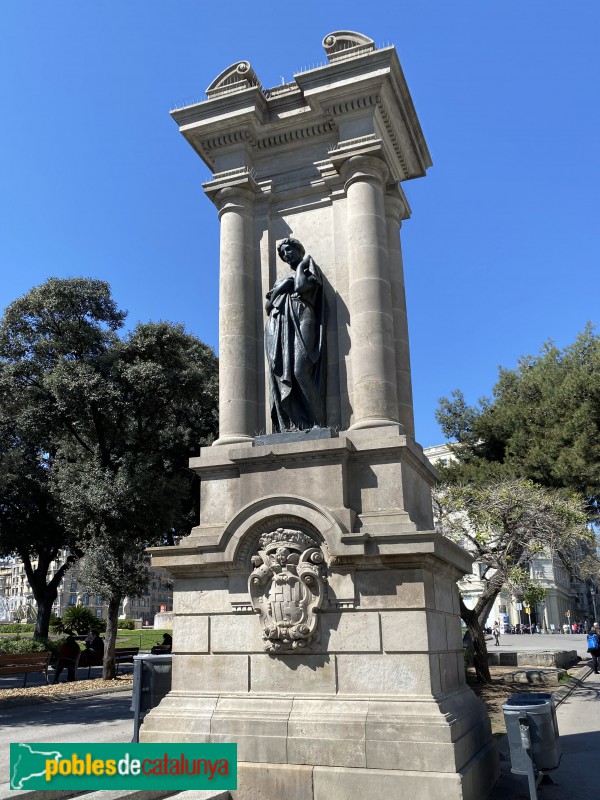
[(395, 211), (375, 400), (237, 325)]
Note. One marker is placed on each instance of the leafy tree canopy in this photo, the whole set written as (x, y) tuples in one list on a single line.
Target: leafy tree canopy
[(96, 428), (543, 423)]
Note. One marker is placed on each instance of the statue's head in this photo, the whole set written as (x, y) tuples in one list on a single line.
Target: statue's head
[(291, 251)]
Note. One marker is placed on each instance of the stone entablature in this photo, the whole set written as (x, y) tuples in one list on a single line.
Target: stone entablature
[(363, 93)]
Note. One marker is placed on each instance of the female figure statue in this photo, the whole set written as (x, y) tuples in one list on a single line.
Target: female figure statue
[(295, 343)]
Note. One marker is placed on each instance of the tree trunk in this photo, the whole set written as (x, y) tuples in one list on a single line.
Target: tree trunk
[(44, 592), (480, 654), (44, 611), (108, 668)]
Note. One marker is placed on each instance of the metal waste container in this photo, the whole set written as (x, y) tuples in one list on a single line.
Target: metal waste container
[(151, 682), (532, 731)]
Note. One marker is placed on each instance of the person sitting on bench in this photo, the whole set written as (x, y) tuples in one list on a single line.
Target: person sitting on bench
[(94, 650), (67, 657)]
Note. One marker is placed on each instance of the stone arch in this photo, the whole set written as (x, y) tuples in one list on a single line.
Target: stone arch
[(279, 511)]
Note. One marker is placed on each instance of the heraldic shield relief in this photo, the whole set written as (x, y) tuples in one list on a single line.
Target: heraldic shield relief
[(287, 589)]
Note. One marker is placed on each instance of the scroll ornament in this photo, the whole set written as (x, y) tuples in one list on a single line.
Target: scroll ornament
[(287, 589)]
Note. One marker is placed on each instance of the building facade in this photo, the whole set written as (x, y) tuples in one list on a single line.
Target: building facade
[(18, 601)]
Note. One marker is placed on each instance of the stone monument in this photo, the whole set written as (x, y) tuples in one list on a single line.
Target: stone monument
[(316, 611)]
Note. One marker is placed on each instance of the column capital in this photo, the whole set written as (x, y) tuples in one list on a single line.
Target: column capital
[(363, 168), (233, 198), (235, 185), (396, 206)]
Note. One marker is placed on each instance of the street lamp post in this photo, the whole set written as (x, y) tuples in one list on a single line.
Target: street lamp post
[(593, 593)]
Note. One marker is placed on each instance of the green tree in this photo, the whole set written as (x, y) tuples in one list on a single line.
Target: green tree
[(503, 525), (543, 423), (119, 419), (124, 482), (57, 327)]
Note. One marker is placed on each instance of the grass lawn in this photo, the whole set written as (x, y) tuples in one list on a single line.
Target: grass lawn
[(144, 639)]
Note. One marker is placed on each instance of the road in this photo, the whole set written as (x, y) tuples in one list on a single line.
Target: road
[(540, 641), (102, 718)]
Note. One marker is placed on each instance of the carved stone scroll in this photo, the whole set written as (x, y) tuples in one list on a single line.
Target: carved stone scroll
[(287, 589)]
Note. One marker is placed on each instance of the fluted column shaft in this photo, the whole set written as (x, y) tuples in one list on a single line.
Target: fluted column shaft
[(375, 401), (237, 319), (395, 211)]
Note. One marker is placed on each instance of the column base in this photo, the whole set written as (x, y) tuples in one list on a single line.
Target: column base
[(233, 438), (376, 422)]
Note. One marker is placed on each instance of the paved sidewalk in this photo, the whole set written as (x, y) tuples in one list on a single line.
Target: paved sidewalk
[(577, 776)]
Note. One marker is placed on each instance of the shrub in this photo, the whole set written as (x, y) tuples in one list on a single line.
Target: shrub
[(15, 627), (126, 624), (56, 624), (19, 644), (82, 619)]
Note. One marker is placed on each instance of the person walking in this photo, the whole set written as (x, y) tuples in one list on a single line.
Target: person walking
[(593, 641), (496, 633)]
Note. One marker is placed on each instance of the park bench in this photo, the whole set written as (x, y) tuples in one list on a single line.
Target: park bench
[(24, 663), (124, 655)]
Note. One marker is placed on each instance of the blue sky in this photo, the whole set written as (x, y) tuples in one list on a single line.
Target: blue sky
[(502, 249)]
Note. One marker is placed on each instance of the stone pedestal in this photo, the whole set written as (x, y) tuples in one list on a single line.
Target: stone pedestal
[(379, 703), (316, 612)]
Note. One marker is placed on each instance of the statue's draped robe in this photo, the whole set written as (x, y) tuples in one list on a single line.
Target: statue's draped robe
[(295, 350)]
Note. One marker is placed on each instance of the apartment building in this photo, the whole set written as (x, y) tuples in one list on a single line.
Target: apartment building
[(18, 597)]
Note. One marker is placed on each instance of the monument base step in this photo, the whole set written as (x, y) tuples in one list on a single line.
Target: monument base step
[(302, 782)]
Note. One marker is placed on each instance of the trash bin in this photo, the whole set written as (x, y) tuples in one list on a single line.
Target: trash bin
[(151, 682), (536, 713)]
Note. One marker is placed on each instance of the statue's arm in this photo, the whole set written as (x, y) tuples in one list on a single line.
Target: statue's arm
[(305, 279), (281, 287)]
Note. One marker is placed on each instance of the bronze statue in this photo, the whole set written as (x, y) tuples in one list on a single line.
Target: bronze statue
[(295, 343)]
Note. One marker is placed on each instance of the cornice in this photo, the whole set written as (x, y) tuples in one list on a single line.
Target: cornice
[(292, 135), (370, 84)]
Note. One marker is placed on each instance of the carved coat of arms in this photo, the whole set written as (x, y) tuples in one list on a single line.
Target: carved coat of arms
[(287, 589)]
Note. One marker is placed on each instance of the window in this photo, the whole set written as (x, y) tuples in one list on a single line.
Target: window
[(98, 600), (72, 599), (86, 599), (99, 613), (73, 586)]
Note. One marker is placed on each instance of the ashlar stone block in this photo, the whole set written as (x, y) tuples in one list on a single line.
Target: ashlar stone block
[(266, 782), (201, 596), (258, 726), (373, 674), (211, 673), (314, 674), (190, 634), (392, 588), (328, 733), (236, 633), (444, 599), (350, 631)]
